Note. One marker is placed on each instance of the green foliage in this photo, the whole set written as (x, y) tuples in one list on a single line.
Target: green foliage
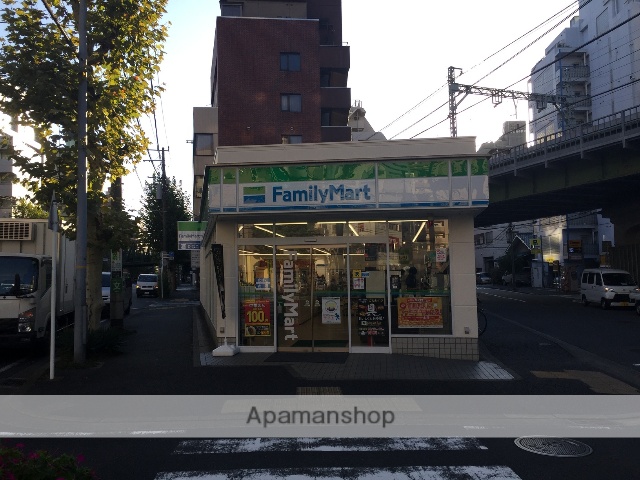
[(23, 208), (178, 210), (16, 464), (39, 84)]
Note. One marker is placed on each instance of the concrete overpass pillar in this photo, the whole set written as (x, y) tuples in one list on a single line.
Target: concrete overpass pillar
[(626, 222)]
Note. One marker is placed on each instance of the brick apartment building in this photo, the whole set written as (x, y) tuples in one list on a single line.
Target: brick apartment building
[(278, 75)]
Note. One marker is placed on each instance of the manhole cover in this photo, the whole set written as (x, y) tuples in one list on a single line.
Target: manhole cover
[(554, 447)]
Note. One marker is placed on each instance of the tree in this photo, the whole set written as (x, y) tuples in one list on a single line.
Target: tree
[(39, 78), (177, 210), (23, 208)]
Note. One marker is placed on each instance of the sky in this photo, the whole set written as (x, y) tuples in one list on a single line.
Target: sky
[(400, 54)]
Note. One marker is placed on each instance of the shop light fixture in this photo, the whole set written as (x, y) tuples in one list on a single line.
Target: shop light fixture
[(267, 230), (353, 230), (419, 230)]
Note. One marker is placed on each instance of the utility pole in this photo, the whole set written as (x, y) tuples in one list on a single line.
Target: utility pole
[(80, 297), (512, 241), (497, 95), (117, 284), (453, 122), (161, 194)]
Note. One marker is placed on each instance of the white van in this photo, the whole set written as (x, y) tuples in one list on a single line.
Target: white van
[(147, 285), (607, 287)]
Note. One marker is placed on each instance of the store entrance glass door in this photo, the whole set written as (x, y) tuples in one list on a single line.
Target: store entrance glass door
[(312, 300)]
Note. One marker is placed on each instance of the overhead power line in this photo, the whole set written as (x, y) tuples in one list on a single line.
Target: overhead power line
[(597, 37), (483, 61)]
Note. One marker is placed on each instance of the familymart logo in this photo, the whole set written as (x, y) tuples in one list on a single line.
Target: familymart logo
[(313, 193)]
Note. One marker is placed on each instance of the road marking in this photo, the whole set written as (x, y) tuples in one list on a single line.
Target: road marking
[(360, 473), (10, 366), (318, 391), (245, 445), (504, 298), (597, 381)]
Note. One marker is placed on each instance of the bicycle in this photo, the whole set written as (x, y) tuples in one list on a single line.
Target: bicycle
[(482, 321)]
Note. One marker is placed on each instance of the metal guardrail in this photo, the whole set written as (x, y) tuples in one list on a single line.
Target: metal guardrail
[(615, 128)]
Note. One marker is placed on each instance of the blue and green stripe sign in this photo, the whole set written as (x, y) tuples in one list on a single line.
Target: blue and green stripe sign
[(454, 182)]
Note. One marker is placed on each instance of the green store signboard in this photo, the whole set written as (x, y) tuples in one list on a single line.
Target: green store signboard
[(368, 185)]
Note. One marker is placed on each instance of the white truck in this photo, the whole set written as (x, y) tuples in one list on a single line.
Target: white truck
[(26, 277)]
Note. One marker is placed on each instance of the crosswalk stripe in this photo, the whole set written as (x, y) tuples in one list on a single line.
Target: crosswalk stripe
[(338, 473), (244, 445)]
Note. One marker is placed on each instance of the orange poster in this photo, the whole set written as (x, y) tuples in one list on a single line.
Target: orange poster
[(420, 312)]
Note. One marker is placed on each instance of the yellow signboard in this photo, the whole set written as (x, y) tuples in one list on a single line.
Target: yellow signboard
[(420, 312)]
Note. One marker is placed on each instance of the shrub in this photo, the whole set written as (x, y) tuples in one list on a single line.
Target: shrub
[(17, 464)]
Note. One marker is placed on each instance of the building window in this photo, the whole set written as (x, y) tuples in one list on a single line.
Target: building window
[(231, 10), (203, 144), (291, 139), (290, 102), (290, 62), (199, 181)]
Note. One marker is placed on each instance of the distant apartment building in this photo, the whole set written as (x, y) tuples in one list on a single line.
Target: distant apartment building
[(361, 129), (596, 71), (278, 76), (593, 65), (13, 136)]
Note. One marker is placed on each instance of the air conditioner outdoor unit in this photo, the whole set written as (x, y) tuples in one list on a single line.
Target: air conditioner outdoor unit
[(16, 231)]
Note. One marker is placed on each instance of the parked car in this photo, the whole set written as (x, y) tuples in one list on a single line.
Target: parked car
[(483, 278), (608, 287), (106, 292), (635, 300), (522, 278), (147, 285)]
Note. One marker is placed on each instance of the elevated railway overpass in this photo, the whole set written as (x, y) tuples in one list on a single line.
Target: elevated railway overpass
[(592, 166)]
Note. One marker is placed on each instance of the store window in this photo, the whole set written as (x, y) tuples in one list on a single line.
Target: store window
[(256, 279), (420, 277)]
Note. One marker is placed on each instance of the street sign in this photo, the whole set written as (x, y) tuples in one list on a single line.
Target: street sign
[(116, 260), (190, 235), (117, 284)]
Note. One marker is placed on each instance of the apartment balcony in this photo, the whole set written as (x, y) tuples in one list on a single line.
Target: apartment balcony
[(335, 57), (335, 98), (580, 103), (582, 220), (573, 74), (335, 134)]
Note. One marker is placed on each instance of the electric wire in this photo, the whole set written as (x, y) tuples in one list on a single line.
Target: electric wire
[(531, 44), (495, 69), (547, 65), (524, 35), (480, 63)]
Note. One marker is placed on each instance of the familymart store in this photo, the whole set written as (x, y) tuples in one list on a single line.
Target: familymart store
[(344, 247)]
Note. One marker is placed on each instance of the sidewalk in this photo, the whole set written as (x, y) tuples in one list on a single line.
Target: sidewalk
[(170, 352)]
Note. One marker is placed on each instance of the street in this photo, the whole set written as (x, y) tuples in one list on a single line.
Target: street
[(551, 343), (542, 333), (330, 458)]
